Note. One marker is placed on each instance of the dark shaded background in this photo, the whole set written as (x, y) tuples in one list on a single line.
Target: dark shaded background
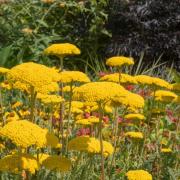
[(149, 26)]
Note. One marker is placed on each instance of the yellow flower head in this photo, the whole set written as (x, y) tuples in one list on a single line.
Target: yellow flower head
[(119, 61), (50, 99), (90, 145), (134, 135), (11, 116), (6, 85), (130, 100), (24, 134), (98, 91), (15, 163), (68, 88), (41, 157), (2, 146), (175, 87), (89, 121), (177, 100), (48, 1), (27, 31), (3, 70), (57, 163), (17, 104), (33, 75), (122, 78), (24, 112), (166, 150), (62, 50), (83, 122), (107, 109), (73, 76), (134, 117), (165, 96), (152, 81), (93, 120), (138, 175)]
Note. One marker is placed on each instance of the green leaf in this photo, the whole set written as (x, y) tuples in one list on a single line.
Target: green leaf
[(5, 53)]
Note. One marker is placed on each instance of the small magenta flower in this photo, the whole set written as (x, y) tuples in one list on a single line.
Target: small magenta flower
[(106, 119), (83, 132)]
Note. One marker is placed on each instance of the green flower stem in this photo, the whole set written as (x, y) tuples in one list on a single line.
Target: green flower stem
[(51, 118), (69, 113), (2, 111), (151, 105), (115, 134), (101, 141), (114, 122), (32, 102), (61, 113), (119, 71)]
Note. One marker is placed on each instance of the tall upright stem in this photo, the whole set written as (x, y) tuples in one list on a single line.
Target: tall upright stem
[(69, 112), (32, 103), (2, 110), (101, 141), (61, 113), (119, 71)]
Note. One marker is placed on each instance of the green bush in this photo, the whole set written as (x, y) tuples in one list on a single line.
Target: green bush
[(28, 26)]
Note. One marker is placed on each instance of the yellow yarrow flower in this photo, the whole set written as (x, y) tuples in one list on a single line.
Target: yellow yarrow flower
[(83, 122), (57, 163), (15, 163), (48, 1), (93, 120), (138, 175), (119, 78), (166, 150), (107, 109), (17, 104), (3, 70), (98, 91), (134, 116), (90, 145), (130, 100), (11, 116), (175, 87), (62, 50), (24, 134), (177, 100), (50, 99), (33, 75), (24, 113), (68, 88), (165, 96), (41, 157), (6, 85), (76, 107), (134, 135), (119, 61), (73, 76), (27, 31), (89, 121), (2, 146), (152, 81)]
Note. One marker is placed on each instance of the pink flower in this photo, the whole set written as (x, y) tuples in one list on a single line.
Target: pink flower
[(95, 114), (120, 119), (87, 115), (101, 74), (83, 132), (129, 87), (106, 119)]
